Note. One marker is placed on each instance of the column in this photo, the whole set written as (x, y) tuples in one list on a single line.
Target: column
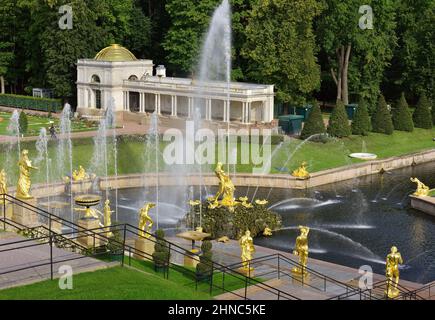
[(207, 109), (243, 111), (173, 106), (157, 103), (128, 100), (248, 112), (189, 107)]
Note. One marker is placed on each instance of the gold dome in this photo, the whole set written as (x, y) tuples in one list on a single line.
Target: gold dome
[(115, 52)]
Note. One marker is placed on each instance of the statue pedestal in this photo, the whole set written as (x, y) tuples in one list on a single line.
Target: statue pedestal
[(8, 214), (191, 260), (88, 240), (25, 216), (82, 186), (56, 226), (146, 246), (247, 272)]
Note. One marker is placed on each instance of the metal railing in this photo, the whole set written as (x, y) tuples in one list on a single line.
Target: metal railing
[(100, 242)]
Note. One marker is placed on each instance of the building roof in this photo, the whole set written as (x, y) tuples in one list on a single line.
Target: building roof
[(115, 52)]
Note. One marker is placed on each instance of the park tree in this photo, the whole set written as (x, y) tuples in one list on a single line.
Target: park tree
[(23, 122), (412, 67), (402, 118), (314, 123), (7, 22), (280, 47), (422, 115), (358, 48), (361, 124), (338, 125), (381, 119)]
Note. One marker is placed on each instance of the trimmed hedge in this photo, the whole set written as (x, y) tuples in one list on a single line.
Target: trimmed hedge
[(382, 121), (338, 125), (32, 103), (361, 124), (402, 118), (422, 115), (314, 124)]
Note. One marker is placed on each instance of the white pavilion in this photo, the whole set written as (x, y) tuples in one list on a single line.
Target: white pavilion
[(116, 76)]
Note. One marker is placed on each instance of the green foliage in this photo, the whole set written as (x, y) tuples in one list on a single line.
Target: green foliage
[(29, 102), (361, 124), (412, 69), (161, 251), (381, 119), (221, 222), (371, 49), (433, 111), (204, 267), (402, 119), (422, 115), (338, 125), (314, 123), (23, 122), (280, 47)]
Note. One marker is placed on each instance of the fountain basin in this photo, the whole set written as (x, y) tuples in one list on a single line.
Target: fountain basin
[(363, 156), (425, 204)]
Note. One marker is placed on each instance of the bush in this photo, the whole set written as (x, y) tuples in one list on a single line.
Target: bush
[(221, 222), (314, 124), (402, 119), (23, 122), (381, 119), (161, 253), (204, 267), (338, 125), (29, 102), (361, 124), (422, 116)]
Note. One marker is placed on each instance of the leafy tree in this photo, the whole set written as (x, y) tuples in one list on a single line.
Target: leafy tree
[(381, 119), (422, 115), (357, 58), (280, 47), (23, 122), (314, 123), (338, 125), (411, 69), (7, 21), (402, 119), (361, 124)]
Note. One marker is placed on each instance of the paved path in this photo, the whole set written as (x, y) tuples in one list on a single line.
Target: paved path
[(29, 259)]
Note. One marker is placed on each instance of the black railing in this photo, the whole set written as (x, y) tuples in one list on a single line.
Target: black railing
[(99, 235)]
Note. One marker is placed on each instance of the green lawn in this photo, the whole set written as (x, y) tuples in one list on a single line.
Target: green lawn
[(35, 123), (108, 284), (132, 154)]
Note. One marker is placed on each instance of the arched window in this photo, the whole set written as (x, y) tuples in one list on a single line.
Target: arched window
[(95, 79), (132, 78)]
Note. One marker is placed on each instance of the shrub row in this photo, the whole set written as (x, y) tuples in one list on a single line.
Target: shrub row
[(32, 103)]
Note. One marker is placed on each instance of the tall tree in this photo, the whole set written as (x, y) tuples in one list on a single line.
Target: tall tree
[(361, 124), (412, 68), (7, 22), (314, 123), (357, 56), (280, 47)]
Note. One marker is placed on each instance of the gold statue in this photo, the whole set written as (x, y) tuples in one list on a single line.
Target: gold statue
[(80, 174), (267, 232), (145, 221), (394, 258), (261, 202), (24, 183), (108, 217), (247, 245), (301, 250), (301, 172), (3, 185), (422, 189), (90, 213), (226, 190), (245, 203)]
